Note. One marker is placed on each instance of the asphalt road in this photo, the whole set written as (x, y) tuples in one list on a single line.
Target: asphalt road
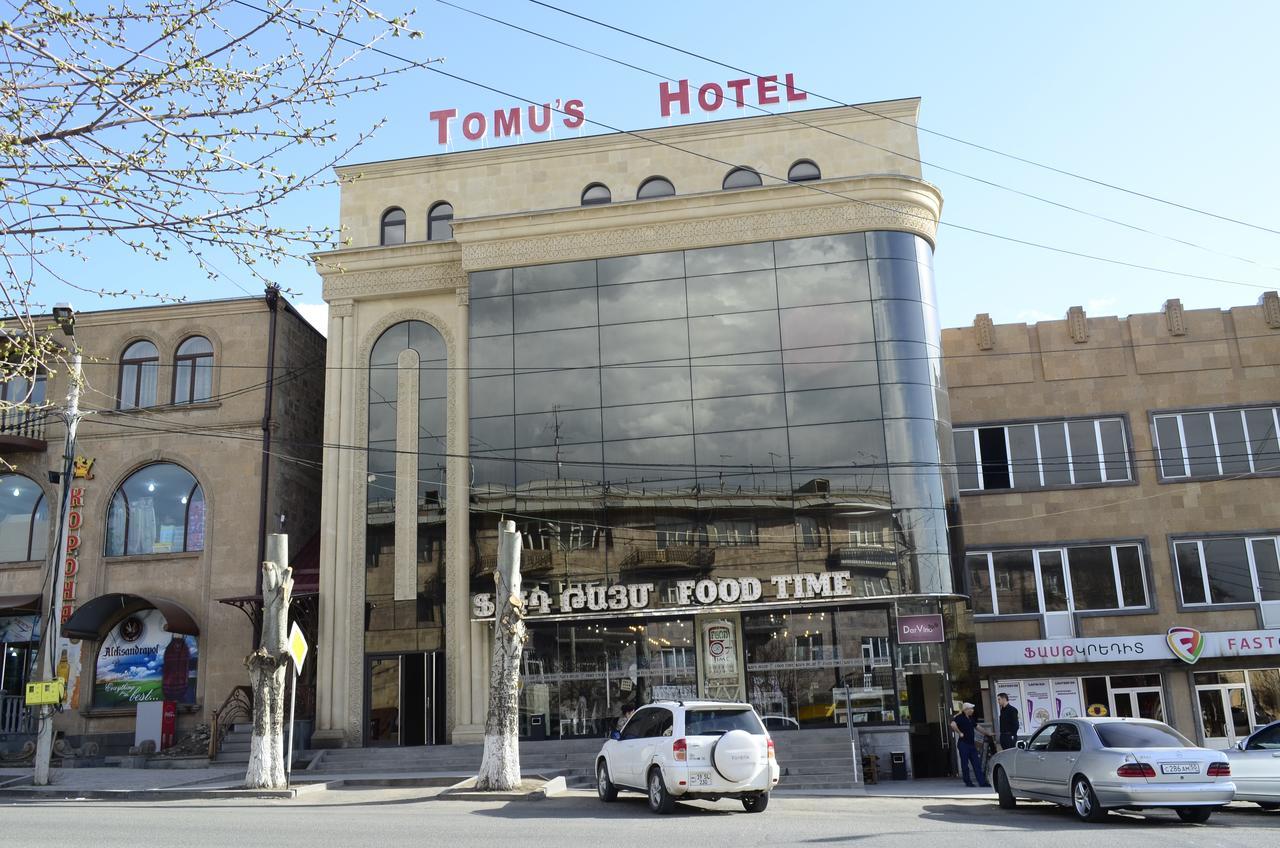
[(349, 818)]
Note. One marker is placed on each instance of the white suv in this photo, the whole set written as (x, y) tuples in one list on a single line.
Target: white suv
[(690, 749)]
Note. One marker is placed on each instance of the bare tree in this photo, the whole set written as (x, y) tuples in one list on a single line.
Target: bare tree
[(500, 764), (164, 126), (267, 671)]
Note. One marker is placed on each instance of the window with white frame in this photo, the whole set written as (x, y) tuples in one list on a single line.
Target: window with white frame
[(1218, 443), (1228, 570), (1077, 452), (1077, 578)]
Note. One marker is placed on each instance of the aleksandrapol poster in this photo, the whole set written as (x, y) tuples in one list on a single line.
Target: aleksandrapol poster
[(141, 661)]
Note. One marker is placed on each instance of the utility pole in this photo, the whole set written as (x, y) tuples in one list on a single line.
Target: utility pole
[(65, 317)]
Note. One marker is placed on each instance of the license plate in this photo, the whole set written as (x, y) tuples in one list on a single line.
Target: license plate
[(1180, 768), (699, 778)]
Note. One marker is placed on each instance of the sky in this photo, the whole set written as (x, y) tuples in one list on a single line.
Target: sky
[(1172, 99)]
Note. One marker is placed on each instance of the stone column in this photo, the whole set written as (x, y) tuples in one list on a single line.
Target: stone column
[(348, 690), (465, 681), (330, 663)]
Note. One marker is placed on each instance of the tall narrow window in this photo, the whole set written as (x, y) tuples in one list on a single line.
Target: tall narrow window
[(193, 371), (595, 194), (655, 187), (741, 178), (393, 227), (803, 171), (139, 368), (440, 222)]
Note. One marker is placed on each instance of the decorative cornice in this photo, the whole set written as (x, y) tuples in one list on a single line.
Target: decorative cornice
[(342, 309), (464, 296), (392, 281)]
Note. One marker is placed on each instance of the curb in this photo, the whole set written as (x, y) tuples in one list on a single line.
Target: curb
[(461, 791), (54, 793)]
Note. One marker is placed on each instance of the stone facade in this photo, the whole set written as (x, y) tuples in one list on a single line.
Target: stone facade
[(218, 440), (519, 206), (1128, 368)]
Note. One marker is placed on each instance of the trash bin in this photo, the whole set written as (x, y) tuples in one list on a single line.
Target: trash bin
[(898, 765)]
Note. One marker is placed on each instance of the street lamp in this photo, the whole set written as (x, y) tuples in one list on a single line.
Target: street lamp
[(65, 316)]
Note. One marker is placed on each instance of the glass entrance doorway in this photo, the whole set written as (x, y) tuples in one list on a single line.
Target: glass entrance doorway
[(1224, 714), (405, 699), (1138, 703)]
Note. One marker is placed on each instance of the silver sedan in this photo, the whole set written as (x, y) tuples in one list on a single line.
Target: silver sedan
[(1255, 767), (1098, 764)]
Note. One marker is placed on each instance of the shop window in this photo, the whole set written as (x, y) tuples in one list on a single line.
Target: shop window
[(1033, 456), (1074, 579), (1228, 570), (393, 227), (655, 187), (158, 509), (440, 222), (24, 519), (193, 371), (1217, 443), (596, 194), (139, 367), (802, 171), (741, 178)]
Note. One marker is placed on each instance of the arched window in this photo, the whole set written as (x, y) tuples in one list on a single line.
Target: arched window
[(440, 222), (393, 227), (24, 519), (741, 178), (596, 193), (193, 371), (139, 368), (655, 187), (159, 509), (802, 171)]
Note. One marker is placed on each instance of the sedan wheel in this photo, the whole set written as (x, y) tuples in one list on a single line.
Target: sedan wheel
[(1007, 801), (660, 801), (1195, 815), (1085, 802), (756, 803)]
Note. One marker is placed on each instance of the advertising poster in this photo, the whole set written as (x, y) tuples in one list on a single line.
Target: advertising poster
[(141, 661), (1038, 699), (1067, 701), (19, 628), (721, 650)]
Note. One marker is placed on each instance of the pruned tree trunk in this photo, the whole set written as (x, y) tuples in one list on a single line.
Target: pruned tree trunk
[(267, 671), (500, 765)]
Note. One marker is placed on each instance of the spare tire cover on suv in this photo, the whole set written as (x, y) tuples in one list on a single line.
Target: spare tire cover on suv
[(735, 755)]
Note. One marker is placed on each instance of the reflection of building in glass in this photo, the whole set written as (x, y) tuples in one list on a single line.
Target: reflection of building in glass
[(717, 418)]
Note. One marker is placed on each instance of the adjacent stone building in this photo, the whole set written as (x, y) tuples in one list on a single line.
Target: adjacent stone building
[(168, 506), (1119, 482)]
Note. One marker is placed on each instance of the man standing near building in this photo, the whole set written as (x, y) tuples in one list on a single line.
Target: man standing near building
[(1008, 722), (965, 726)]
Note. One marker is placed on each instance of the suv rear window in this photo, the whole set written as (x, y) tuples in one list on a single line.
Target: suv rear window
[(1125, 735), (717, 721)]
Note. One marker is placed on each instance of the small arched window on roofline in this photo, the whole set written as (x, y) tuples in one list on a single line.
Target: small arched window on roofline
[(655, 187), (802, 171), (440, 222), (393, 226), (741, 178), (595, 194)]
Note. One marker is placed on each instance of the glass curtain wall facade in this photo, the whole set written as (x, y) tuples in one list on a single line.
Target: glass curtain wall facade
[(767, 421)]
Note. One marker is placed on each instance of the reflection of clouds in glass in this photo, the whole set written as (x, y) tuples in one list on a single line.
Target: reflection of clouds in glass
[(623, 384), (846, 281), (649, 266), (833, 405), (739, 412), (650, 301), (811, 251), (720, 376), (725, 260), (663, 342), (726, 293), (744, 333), (654, 419), (831, 366), (833, 324), (554, 310)]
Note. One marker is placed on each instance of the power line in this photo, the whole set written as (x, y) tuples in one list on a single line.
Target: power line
[(975, 145), (890, 151), (806, 185)]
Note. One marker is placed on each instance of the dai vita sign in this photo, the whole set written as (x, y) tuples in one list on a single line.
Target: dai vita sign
[(679, 97)]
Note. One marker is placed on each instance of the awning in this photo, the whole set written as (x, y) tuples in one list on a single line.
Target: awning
[(90, 620), (20, 604)]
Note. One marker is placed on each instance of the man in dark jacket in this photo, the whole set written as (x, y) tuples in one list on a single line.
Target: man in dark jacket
[(1008, 722), (964, 725)]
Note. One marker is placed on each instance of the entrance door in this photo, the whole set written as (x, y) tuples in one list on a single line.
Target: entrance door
[(405, 699), (1137, 703), (1224, 715)]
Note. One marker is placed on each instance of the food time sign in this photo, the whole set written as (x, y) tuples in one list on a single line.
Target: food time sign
[(588, 598), (680, 96)]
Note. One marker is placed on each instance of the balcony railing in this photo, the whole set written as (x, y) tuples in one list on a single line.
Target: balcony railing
[(21, 426), (14, 715)]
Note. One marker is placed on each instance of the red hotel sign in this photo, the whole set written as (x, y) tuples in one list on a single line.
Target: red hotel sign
[(920, 629), (74, 520), (679, 96)]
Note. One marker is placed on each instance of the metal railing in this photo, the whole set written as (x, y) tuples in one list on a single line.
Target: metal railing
[(14, 715), (238, 705)]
